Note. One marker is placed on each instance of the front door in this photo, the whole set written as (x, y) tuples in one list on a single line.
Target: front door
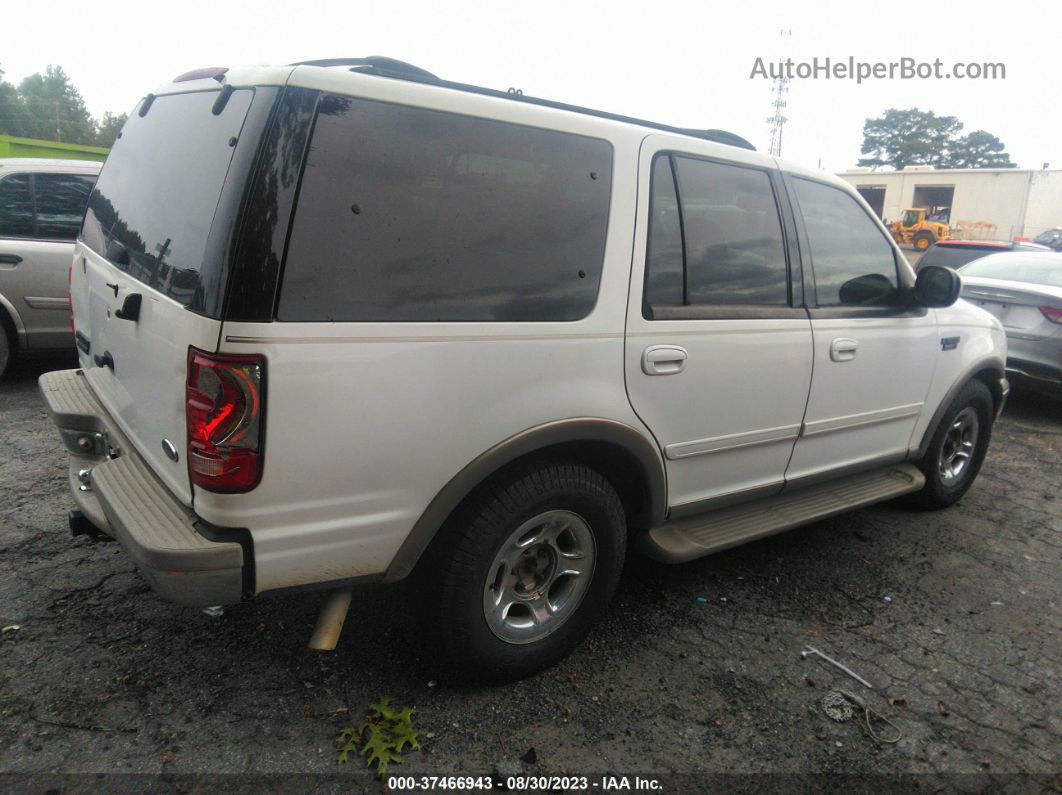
[(874, 352), (718, 349)]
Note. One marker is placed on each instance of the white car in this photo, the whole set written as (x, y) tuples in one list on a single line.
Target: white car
[(344, 321)]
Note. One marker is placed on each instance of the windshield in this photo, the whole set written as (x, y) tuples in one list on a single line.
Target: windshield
[(1031, 268), (152, 209), (910, 217)]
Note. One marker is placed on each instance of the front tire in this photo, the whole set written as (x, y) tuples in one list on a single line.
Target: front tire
[(922, 241), (958, 447), (521, 573)]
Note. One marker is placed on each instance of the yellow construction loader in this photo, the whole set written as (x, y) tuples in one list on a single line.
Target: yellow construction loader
[(914, 230)]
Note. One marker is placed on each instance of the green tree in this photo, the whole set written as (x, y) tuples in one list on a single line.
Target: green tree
[(108, 128), (13, 118), (979, 149), (55, 109), (908, 137)]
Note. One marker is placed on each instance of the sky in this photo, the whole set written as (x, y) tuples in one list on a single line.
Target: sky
[(681, 63)]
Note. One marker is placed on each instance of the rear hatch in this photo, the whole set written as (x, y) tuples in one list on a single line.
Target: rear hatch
[(158, 226)]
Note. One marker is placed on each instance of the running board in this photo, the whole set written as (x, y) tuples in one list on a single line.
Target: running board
[(688, 539)]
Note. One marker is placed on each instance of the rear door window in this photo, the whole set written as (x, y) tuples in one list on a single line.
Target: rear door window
[(408, 214), (16, 206), (61, 200)]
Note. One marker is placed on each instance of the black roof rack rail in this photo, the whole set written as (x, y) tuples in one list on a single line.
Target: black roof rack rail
[(400, 70)]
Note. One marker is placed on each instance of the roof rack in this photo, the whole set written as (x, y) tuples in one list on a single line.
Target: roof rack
[(400, 70)]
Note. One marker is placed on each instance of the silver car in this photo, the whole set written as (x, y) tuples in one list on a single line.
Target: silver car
[(41, 206), (1023, 290)]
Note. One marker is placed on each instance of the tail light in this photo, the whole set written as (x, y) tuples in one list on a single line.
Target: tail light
[(1052, 313), (223, 408)]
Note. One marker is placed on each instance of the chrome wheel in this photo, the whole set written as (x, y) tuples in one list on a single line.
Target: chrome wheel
[(539, 577), (957, 450)]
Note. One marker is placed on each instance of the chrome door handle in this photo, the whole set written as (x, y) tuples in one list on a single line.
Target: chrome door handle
[(843, 349), (664, 360)]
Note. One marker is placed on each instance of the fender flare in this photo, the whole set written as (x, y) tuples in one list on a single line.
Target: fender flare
[(639, 445), (995, 365)]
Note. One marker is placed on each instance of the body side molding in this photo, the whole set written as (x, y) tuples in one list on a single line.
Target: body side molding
[(576, 429)]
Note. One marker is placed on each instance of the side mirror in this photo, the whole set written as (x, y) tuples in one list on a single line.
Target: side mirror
[(936, 286)]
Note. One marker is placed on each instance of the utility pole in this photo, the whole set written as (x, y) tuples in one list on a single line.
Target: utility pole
[(58, 129), (779, 94)]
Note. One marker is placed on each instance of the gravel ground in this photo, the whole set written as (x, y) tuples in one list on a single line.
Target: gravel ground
[(695, 678)]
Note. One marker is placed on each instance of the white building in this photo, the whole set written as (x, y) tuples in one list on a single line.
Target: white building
[(978, 203)]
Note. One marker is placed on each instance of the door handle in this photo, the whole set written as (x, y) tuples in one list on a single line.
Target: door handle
[(843, 349), (10, 259), (664, 360)]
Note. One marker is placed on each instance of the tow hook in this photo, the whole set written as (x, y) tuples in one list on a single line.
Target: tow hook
[(81, 526)]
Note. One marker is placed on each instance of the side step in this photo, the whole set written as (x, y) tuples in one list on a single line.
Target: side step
[(691, 538)]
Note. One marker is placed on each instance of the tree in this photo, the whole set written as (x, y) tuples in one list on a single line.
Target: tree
[(908, 137), (979, 149), (55, 109), (914, 137), (13, 120), (108, 129)]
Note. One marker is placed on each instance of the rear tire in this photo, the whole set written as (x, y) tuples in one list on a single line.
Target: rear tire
[(922, 241), (958, 448), (520, 574)]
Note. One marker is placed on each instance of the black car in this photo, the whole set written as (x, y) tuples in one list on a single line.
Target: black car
[(1052, 238)]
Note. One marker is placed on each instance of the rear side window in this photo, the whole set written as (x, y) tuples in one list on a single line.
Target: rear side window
[(715, 236), (16, 206), (854, 263), (407, 214), (61, 200), (153, 206)]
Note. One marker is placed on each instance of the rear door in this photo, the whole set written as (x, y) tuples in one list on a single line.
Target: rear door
[(874, 353), (718, 346), (150, 232)]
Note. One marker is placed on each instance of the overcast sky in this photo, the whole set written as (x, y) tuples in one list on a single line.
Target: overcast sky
[(683, 63)]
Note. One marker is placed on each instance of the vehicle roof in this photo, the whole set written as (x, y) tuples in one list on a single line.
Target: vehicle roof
[(48, 164), (1048, 256), (337, 75)]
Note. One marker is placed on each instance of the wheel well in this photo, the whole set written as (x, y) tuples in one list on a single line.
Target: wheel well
[(7, 325), (990, 378)]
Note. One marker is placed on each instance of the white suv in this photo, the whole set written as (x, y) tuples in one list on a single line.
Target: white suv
[(344, 321)]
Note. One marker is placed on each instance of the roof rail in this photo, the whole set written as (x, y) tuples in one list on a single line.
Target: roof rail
[(400, 70)]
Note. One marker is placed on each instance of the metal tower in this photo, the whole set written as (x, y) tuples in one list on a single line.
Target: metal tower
[(779, 94)]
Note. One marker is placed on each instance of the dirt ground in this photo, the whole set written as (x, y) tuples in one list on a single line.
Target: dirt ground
[(695, 679)]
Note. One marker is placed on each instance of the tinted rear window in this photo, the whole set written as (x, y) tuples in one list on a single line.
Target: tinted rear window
[(1031, 268), (407, 214), (152, 208)]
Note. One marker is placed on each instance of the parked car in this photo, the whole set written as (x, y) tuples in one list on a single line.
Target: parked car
[(345, 321), (1052, 238), (41, 206), (956, 253), (1023, 290)]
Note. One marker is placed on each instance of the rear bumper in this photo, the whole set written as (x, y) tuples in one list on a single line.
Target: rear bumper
[(1036, 376), (184, 560)]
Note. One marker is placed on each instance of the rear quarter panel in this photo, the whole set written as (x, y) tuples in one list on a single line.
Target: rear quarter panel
[(367, 422)]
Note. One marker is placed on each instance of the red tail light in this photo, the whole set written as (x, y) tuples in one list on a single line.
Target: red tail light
[(1052, 313), (223, 408)]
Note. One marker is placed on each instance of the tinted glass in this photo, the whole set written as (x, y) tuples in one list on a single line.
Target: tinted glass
[(406, 214), (734, 250), (16, 207), (61, 200), (664, 284), (1031, 268), (853, 262), (952, 256), (152, 208)]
